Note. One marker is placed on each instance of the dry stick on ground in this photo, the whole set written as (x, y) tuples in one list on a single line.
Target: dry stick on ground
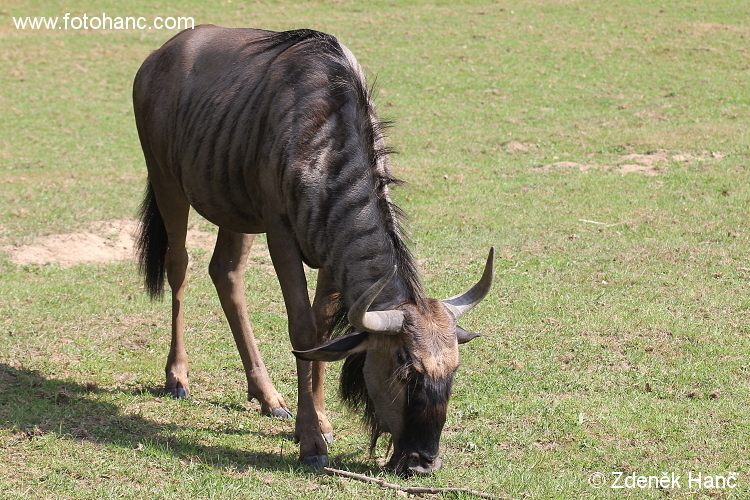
[(415, 490), (588, 221)]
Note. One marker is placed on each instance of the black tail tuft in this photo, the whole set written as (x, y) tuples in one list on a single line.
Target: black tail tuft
[(152, 245)]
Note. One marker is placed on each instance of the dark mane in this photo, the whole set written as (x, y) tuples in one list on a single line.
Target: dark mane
[(347, 81), (394, 218), (373, 131)]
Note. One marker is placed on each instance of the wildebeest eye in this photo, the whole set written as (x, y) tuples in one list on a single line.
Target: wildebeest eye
[(402, 357), (403, 365)]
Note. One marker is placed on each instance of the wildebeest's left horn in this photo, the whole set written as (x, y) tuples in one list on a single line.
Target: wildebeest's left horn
[(461, 304), (389, 322)]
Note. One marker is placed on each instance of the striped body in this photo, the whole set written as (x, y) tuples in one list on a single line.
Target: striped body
[(252, 123)]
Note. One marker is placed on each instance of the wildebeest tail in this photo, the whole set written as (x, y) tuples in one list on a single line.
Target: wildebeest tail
[(151, 245)]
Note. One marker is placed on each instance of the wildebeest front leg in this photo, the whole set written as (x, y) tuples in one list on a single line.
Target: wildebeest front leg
[(227, 270), (287, 261), (323, 308)]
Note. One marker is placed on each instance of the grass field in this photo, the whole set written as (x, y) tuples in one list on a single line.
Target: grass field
[(602, 147)]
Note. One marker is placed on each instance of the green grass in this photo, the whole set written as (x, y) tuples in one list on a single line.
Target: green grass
[(621, 346)]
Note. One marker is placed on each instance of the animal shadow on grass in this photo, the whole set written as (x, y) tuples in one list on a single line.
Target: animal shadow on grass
[(32, 405)]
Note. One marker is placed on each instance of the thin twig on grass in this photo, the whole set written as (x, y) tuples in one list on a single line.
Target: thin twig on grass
[(605, 224), (414, 490), (587, 221)]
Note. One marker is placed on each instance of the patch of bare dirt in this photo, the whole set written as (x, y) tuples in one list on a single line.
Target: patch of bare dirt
[(566, 166), (649, 114), (649, 164), (517, 146), (638, 168), (102, 242), (646, 159), (708, 28)]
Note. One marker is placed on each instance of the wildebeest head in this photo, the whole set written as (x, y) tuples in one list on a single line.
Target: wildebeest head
[(400, 366)]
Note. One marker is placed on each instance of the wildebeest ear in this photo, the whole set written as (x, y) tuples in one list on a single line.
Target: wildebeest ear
[(336, 349), (464, 336)]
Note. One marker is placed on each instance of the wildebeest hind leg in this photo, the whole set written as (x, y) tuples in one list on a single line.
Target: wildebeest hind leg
[(227, 270), (174, 210)]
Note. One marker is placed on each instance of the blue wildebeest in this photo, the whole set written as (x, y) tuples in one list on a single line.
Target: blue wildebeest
[(275, 132)]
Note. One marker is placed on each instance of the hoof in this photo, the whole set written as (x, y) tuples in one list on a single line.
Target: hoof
[(178, 392), (315, 461), (328, 437), (280, 412)]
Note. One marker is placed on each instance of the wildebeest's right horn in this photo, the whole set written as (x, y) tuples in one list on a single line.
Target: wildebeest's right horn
[(389, 322), (461, 304)]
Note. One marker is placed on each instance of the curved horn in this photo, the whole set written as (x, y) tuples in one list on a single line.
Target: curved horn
[(375, 321), (461, 304)]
